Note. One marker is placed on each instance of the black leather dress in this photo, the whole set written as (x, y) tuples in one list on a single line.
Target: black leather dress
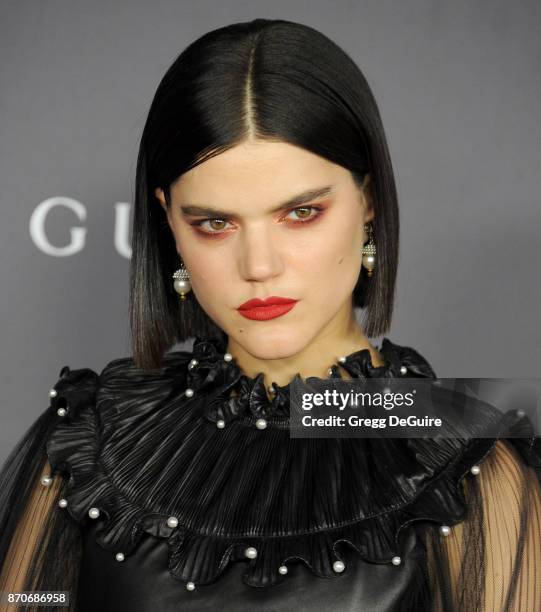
[(186, 502)]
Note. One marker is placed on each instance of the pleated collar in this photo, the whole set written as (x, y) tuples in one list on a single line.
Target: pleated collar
[(144, 458)]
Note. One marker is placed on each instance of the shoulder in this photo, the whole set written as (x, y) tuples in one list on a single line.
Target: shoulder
[(86, 405), (120, 377), (89, 409)]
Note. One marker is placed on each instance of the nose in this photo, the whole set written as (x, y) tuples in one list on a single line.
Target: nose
[(259, 259)]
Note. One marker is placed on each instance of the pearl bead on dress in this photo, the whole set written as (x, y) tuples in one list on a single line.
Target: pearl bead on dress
[(220, 423), (189, 392), (46, 481), (282, 569), (396, 560), (93, 513), (63, 503), (172, 522), (61, 412), (403, 370), (192, 364), (228, 357), (445, 530), (261, 423), (250, 552), (190, 586), (475, 470), (338, 566), (342, 359), (53, 393), (119, 556)]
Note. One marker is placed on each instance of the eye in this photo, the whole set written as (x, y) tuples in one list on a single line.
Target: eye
[(216, 225), (304, 215)]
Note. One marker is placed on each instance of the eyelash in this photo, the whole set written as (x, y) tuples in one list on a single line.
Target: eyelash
[(318, 209)]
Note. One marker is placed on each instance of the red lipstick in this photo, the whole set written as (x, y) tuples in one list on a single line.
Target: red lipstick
[(269, 308)]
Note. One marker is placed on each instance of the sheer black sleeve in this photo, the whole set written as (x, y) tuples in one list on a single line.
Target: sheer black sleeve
[(492, 560), (40, 546)]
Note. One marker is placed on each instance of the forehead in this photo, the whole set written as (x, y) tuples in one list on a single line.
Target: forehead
[(255, 173)]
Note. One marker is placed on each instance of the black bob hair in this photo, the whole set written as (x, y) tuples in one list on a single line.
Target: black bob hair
[(297, 86)]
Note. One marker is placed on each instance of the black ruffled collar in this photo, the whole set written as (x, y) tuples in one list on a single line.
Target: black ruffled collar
[(143, 457), (215, 376)]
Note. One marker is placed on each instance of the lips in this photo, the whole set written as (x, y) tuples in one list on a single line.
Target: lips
[(273, 299), (269, 308)]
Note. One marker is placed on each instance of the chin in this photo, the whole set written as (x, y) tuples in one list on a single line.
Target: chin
[(273, 343)]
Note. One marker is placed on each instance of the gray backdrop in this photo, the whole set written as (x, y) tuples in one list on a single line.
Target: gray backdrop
[(458, 87)]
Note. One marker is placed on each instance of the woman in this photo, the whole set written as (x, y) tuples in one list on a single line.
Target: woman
[(170, 481)]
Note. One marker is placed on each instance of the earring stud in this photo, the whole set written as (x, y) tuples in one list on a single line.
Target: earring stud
[(181, 282), (369, 250)]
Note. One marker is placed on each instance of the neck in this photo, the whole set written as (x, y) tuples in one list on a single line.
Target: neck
[(314, 359)]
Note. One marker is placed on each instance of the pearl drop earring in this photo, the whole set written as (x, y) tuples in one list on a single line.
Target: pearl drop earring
[(181, 282), (369, 250)]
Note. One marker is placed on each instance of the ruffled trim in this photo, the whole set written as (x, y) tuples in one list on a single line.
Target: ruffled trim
[(138, 450), (217, 377)]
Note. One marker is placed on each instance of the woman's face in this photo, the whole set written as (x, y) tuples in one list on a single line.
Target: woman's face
[(309, 251)]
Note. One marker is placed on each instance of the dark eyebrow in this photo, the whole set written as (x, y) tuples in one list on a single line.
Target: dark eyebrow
[(299, 199)]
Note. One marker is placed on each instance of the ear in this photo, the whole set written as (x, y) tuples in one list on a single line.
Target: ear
[(369, 203), (158, 192), (161, 198)]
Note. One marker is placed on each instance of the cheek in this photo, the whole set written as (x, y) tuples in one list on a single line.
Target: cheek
[(212, 279), (333, 262)]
